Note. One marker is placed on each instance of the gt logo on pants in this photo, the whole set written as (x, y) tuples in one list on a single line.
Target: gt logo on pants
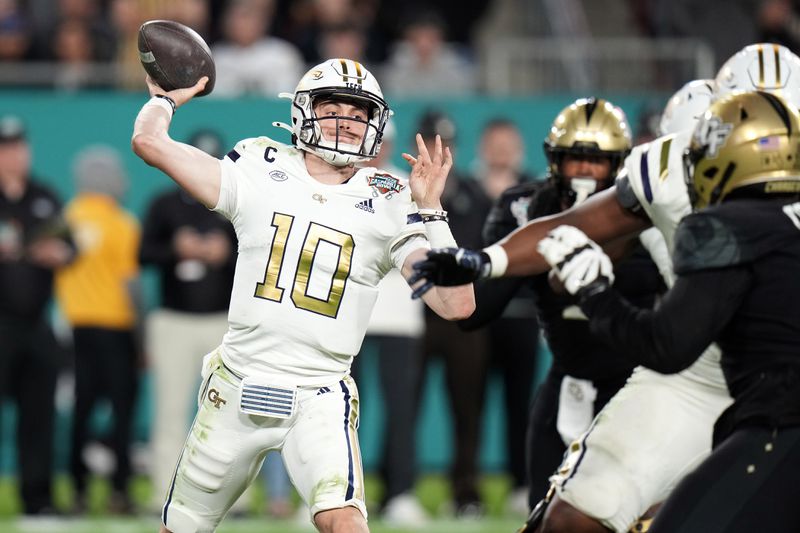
[(215, 398)]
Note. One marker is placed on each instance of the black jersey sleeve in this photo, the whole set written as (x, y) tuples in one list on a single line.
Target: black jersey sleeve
[(704, 242), (625, 195), (732, 233), (508, 212), (672, 336)]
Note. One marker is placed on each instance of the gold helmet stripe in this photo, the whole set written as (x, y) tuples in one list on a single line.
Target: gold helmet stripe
[(760, 67), (780, 109), (776, 49), (344, 69), (717, 192), (358, 71), (663, 169), (591, 105)]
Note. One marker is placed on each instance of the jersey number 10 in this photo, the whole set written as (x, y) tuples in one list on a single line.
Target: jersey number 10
[(269, 289)]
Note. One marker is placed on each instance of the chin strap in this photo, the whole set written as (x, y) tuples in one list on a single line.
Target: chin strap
[(284, 126)]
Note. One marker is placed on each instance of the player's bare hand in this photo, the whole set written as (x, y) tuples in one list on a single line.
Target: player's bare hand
[(180, 96), (429, 173)]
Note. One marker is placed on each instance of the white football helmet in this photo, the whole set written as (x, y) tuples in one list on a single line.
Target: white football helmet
[(686, 106), (761, 67), (337, 79)]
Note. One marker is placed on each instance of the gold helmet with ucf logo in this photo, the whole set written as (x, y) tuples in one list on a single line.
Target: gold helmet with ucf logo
[(747, 143), (587, 127)]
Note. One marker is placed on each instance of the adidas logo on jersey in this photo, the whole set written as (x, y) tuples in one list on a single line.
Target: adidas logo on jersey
[(366, 205)]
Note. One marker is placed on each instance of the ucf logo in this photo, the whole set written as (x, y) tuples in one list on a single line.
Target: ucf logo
[(215, 398), (713, 133)]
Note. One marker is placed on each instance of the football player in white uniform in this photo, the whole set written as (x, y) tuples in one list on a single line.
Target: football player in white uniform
[(657, 428), (316, 235)]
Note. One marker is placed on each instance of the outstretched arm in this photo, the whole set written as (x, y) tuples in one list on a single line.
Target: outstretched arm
[(427, 179), (194, 170), (601, 217)]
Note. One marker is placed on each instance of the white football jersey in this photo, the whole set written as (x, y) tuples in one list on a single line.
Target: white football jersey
[(655, 173), (310, 259)]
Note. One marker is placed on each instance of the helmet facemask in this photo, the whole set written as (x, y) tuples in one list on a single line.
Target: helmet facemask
[(574, 190), (336, 151)]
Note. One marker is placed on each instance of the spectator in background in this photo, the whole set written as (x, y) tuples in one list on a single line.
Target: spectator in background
[(194, 250), (99, 294), (689, 18), (193, 13), (126, 17), (465, 354), (15, 32), (779, 22), (72, 48), (34, 242), (514, 330), (423, 64), (310, 20), (344, 40), (84, 14), (248, 60), (394, 332)]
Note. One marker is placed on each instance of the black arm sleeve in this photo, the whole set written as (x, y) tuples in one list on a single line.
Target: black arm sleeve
[(671, 337), (156, 248), (491, 298)]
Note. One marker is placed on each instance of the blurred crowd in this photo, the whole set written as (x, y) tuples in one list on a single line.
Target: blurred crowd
[(261, 46), (417, 48)]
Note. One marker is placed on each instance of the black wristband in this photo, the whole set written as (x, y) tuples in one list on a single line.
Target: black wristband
[(433, 218), (168, 99)]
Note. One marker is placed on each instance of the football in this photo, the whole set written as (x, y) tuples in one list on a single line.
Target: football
[(175, 56)]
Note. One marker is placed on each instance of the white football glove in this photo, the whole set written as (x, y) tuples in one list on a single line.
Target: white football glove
[(576, 259)]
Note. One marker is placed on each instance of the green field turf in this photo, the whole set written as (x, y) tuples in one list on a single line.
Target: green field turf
[(432, 491)]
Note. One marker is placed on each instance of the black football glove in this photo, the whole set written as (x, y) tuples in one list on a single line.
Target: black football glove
[(449, 267)]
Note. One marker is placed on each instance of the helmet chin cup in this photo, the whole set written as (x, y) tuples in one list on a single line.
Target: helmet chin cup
[(583, 188)]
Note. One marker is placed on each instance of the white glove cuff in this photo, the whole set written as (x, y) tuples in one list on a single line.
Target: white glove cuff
[(499, 260), (439, 235)]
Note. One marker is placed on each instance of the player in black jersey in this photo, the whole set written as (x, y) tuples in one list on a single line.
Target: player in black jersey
[(737, 260), (585, 148)]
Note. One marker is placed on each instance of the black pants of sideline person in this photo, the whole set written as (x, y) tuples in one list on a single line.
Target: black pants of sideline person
[(30, 360), (466, 360), (399, 370), (749, 483), (105, 367), (514, 345)]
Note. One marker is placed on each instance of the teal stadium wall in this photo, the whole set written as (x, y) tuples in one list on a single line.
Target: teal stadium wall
[(60, 125)]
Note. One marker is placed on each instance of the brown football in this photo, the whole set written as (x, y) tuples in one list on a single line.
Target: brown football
[(175, 56)]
